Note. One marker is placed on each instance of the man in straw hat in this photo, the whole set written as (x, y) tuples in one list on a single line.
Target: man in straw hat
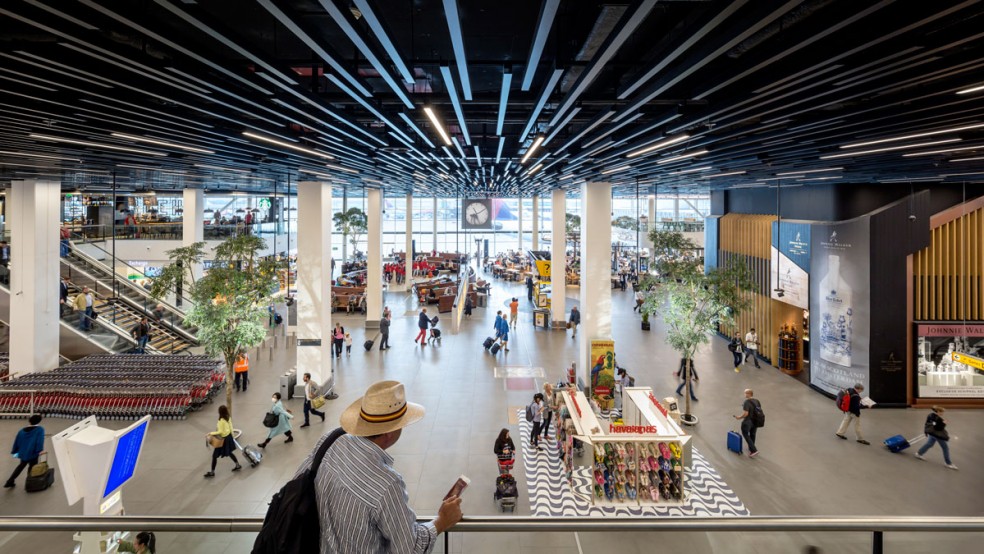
[(362, 500)]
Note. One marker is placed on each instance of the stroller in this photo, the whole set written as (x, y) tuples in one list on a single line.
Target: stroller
[(506, 493)]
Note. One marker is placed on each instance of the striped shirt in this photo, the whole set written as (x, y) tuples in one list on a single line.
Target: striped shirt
[(363, 502)]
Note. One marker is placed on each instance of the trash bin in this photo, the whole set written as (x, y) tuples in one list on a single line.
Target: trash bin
[(287, 382), (482, 300)]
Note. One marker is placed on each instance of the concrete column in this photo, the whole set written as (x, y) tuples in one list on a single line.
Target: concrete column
[(34, 259), (434, 212), (652, 224), (193, 221), (314, 225), (408, 259), (676, 207), (374, 257), (558, 257), (344, 239), (520, 218), (536, 223), (596, 271)]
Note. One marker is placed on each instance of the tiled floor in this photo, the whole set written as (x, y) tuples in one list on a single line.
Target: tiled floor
[(803, 468)]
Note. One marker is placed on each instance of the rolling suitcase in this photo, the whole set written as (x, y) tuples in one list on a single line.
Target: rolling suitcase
[(734, 441), (368, 344), (253, 456), (495, 349), (41, 476), (488, 343), (898, 443)]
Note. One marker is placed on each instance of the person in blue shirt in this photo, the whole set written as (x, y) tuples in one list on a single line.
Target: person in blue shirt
[(498, 323), (28, 446), (502, 331)]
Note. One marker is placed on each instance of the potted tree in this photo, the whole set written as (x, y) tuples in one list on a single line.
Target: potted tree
[(353, 224), (693, 303), (230, 302)]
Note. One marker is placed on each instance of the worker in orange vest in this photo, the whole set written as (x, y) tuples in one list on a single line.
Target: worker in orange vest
[(241, 368)]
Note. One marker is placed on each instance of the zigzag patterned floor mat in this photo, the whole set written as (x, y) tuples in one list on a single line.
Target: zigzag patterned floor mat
[(707, 493)]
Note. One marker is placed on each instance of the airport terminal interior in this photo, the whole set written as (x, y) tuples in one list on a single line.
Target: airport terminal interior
[(487, 201)]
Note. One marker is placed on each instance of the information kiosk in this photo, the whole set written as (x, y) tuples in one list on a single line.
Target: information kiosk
[(95, 463)]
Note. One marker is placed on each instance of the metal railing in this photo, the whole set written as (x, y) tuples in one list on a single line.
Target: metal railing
[(875, 526)]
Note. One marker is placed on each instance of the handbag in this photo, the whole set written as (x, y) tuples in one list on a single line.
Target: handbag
[(317, 402), (40, 468), (271, 420), (216, 441)]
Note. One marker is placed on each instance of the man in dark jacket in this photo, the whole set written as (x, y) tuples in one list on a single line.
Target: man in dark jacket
[(422, 323), (574, 320), (853, 414), (63, 305), (28, 446), (529, 288), (384, 332), (141, 332)]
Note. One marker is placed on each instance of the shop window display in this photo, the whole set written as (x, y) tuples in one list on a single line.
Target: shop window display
[(950, 360)]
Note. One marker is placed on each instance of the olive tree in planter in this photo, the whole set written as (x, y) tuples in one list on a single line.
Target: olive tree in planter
[(230, 302), (692, 303), (353, 223)]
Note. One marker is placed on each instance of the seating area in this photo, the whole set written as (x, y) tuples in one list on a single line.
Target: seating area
[(348, 299), (121, 386)]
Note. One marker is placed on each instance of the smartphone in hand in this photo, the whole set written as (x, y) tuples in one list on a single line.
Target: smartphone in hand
[(459, 486)]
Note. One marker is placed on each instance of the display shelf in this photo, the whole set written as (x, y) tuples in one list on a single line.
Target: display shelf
[(789, 349)]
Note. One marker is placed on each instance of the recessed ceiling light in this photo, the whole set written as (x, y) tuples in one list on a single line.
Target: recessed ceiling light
[(658, 145), (888, 149), (972, 89), (95, 145), (611, 170), (285, 144), (529, 151), (976, 158), (943, 151), (437, 125), (916, 135), (700, 152), (162, 143), (808, 171)]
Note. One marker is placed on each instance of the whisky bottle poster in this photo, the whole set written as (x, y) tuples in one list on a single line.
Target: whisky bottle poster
[(840, 304)]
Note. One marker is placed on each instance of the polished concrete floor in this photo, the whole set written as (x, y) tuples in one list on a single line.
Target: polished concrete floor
[(802, 469)]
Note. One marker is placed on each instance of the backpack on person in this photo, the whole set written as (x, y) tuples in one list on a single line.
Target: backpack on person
[(292, 524), (758, 416), (631, 381), (529, 412), (844, 401), (278, 319)]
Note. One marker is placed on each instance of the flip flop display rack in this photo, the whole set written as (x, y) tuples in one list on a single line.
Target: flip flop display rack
[(119, 386)]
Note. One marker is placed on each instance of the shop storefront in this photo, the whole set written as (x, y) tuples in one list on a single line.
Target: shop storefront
[(949, 360)]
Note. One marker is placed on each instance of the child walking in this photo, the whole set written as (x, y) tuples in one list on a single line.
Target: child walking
[(348, 344)]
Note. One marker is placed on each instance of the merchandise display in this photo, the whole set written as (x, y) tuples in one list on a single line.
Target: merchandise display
[(789, 347), (121, 386), (950, 365)]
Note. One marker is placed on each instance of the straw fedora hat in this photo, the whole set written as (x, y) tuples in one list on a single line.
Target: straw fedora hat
[(383, 409)]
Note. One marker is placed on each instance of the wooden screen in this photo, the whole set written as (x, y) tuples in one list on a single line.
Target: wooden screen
[(749, 238), (949, 274)]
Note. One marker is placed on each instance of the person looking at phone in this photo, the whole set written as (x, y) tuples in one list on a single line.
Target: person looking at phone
[(362, 500)]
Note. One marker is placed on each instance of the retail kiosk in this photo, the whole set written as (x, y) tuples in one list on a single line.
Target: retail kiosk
[(95, 464), (638, 460)]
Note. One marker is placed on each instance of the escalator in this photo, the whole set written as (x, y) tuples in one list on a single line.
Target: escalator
[(72, 342), (121, 303)]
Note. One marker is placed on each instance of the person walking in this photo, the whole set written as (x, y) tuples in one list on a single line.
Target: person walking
[(536, 407), (498, 324), (223, 430), (338, 338), (574, 320), (64, 241), (241, 371), (28, 447), (469, 306), (283, 421), (504, 447), (736, 348), (144, 543), (936, 432), (63, 296), (853, 414), (549, 406), (513, 312), (83, 304), (348, 344), (384, 331), (751, 415), (752, 346), (529, 288), (503, 333), (310, 393), (640, 298), (422, 323), (141, 332), (682, 372), (362, 501)]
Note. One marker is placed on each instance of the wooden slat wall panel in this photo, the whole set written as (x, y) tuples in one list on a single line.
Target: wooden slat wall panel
[(949, 274), (749, 238)]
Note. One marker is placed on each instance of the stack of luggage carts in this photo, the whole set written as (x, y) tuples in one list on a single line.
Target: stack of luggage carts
[(119, 386), (506, 492)]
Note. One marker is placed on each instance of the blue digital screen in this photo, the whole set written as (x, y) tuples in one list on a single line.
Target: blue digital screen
[(125, 460)]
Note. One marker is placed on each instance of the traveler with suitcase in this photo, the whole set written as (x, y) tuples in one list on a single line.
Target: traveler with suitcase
[(28, 447), (283, 417), (752, 417), (384, 331), (936, 433), (222, 442)]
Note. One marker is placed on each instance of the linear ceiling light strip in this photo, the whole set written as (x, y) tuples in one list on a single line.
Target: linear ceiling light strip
[(503, 101), (377, 27), (544, 96), (547, 14), (455, 102), (458, 44)]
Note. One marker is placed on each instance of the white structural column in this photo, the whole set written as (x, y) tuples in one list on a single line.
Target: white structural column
[(408, 259), (34, 277), (596, 271), (374, 257), (519, 203), (536, 223), (558, 257), (314, 223), (652, 223), (193, 221), (434, 213)]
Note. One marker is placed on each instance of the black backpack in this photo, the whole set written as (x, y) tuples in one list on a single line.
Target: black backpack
[(292, 524), (758, 416)]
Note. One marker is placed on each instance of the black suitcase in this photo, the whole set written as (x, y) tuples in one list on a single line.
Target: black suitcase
[(495, 349), (40, 482), (488, 343), (368, 344)]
